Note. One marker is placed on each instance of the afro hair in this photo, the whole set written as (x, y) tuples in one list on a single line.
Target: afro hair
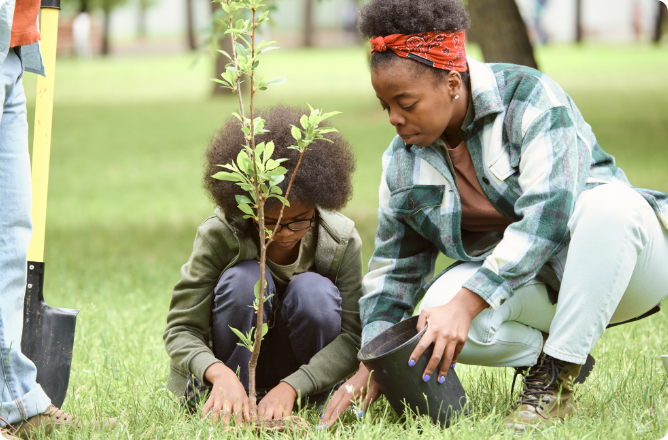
[(324, 178), (387, 17)]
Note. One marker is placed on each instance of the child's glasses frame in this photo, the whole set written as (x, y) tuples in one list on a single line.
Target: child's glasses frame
[(295, 226)]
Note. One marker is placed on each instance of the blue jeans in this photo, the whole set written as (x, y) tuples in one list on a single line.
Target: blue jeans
[(305, 319), (22, 397)]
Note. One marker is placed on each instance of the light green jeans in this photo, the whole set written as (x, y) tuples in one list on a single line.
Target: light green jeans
[(613, 270)]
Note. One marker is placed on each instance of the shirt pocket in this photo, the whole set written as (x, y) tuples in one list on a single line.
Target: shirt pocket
[(503, 165), (413, 199)]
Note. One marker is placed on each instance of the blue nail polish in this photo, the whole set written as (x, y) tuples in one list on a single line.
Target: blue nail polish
[(411, 363), (426, 378), (453, 366), (441, 379), (360, 414), (322, 416)]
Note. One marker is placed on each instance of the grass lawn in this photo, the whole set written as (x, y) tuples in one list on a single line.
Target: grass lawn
[(125, 199)]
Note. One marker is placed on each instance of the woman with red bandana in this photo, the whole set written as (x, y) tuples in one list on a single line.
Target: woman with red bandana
[(494, 166)]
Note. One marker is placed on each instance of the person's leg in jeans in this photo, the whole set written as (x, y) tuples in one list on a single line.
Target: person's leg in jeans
[(308, 320), (310, 315), (233, 297), (509, 336), (22, 397), (615, 271)]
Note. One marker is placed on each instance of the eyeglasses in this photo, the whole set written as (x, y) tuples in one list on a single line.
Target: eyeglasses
[(299, 225)]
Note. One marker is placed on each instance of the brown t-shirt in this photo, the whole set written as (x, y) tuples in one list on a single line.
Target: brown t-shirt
[(24, 25), (478, 214)]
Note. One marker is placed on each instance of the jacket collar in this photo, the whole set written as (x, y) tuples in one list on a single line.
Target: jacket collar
[(484, 88)]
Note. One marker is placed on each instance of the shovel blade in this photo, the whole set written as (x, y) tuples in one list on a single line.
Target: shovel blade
[(48, 337)]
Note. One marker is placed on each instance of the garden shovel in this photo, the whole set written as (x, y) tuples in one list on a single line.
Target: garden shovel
[(48, 333)]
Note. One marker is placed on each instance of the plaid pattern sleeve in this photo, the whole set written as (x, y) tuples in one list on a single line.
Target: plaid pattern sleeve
[(401, 263), (534, 155)]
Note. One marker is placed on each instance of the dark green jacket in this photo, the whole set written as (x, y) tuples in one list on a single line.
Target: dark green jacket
[(219, 245)]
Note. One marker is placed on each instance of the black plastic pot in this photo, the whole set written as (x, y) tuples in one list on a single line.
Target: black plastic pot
[(388, 354)]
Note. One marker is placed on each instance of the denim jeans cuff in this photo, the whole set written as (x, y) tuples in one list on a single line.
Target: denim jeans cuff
[(34, 402), (563, 356)]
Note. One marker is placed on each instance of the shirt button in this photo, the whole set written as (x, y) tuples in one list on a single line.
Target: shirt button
[(2, 47), (486, 180)]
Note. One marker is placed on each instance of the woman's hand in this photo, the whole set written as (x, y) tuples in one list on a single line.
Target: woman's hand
[(448, 330), (278, 402), (228, 395), (360, 386)]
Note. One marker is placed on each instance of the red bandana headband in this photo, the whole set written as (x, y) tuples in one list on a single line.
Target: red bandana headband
[(442, 50)]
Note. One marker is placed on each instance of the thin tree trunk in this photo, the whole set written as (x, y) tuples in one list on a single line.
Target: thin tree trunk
[(661, 15), (105, 31), (141, 21), (578, 21), (190, 25), (499, 29), (308, 23)]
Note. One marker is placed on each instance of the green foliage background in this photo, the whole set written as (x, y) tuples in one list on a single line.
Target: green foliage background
[(125, 200)]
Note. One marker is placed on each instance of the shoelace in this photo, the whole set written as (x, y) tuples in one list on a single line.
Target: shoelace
[(542, 379), (58, 413), (8, 426)]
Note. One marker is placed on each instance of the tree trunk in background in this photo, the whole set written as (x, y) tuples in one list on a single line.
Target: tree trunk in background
[(661, 15), (190, 25), (499, 29), (308, 23), (578, 21), (105, 31), (141, 21)]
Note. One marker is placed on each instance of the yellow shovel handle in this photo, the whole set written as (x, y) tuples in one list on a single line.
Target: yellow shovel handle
[(41, 147)]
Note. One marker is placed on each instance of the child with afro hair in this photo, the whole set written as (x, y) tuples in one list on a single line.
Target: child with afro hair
[(314, 272), (494, 165)]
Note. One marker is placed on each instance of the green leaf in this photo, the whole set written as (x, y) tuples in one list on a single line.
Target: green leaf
[(243, 199), (244, 163), (223, 52), (282, 199), (268, 150), (296, 133), (231, 177), (237, 115), (259, 148), (256, 289), (279, 80), (277, 171), (246, 208), (276, 190)]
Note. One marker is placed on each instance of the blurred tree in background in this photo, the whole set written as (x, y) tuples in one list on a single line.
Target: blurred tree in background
[(497, 26), (661, 16), (141, 16)]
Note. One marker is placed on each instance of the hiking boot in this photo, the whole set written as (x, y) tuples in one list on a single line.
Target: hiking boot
[(547, 396), (7, 432), (53, 419)]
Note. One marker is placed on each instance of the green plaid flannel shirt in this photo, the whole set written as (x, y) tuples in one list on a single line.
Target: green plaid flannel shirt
[(534, 155)]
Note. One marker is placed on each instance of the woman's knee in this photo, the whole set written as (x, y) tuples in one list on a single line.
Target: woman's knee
[(312, 298), (612, 210)]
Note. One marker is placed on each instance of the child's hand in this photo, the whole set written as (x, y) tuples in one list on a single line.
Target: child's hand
[(228, 395), (278, 402), (360, 387)]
